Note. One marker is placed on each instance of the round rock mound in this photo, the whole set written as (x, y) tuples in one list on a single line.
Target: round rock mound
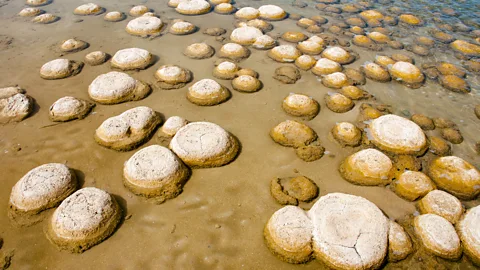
[(442, 204), (469, 233), (193, 7), (293, 134), (41, 188), (131, 59), (173, 124), (398, 135), (155, 171), (84, 219), (69, 108), (14, 105), (144, 26), (172, 77), (128, 130), (116, 87), (368, 167), (204, 145), (207, 92), (59, 69)]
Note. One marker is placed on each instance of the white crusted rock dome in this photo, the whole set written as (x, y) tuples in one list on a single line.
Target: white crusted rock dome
[(173, 124), (41, 188), (155, 172), (114, 16), (116, 87), (207, 92), (398, 135), (144, 26), (84, 219), (399, 243), (69, 108), (284, 53), (443, 204), (193, 7), (45, 18), (30, 12), (73, 45), (182, 28), (301, 105), (234, 51), (226, 70), (14, 105), (88, 9), (469, 233), (59, 69), (204, 145), (96, 58), (272, 13), (245, 35), (368, 167), (132, 58), (172, 77), (264, 42), (128, 130), (247, 13), (199, 51), (349, 232), (139, 10)]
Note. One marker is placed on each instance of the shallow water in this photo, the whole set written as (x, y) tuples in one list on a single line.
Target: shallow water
[(217, 222)]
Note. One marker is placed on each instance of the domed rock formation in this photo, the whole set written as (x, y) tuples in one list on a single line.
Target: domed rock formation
[(284, 54), (73, 45), (305, 62), (326, 66), (301, 105), (60, 68), (272, 13), (234, 51), (132, 59), (43, 187), (455, 176), (155, 172), (224, 8), (128, 130), (399, 243), (397, 135), (412, 185), (114, 16), (180, 27), (172, 125), (247, 13), (407, 74), (69, 108), (45, 18), (264, 42), (172, 77), (207, 92), (88, 9), (96, 58), (338, 55), (368, 167), (441, 203), (292, 134), (204, 145), (144, 26), (246, 83), (226, 70), (139, 10), (199, 51), (438, 236), (335, 80), (287, 74), (76, 224), (116, 87), (245, 35), (14, 105), (468, 231), (30, 12), (338, 103), (193, 7), (347, 134), (375, 72)]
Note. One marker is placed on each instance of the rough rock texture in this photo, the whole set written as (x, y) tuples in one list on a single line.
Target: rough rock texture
[(375, 72), (313, 151), (368, 167), (293, 134), (438, 236), (284, 53), (173, 124), (245, 35), (347, 134), (14, 105), (335, 80), (246, 83), (338, 55), (442, 204), (114, 16), (399, 243), (215, 31), (155, 171), (338, 103), (69, 108), (287, 74), (88, 9), (349, 232), (226, 70), (412, 185), (326, 66), (132, 58), (45, 18), (172, 77), (234, 52), (193, 7), (204, 145), (144, 26), (84, 219), (264, 42), (128, 130), (182, 28), (30, 12), (73, 45), (116, 87), (456, 176), (301, 105), (469, 233), (207, 92), (398, 135), (60, 68), (41, 188), (138, 10), (407, 73), (272, 13), (247, 13)]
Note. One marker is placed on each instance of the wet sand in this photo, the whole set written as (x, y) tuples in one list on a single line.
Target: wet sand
[(217, 222)]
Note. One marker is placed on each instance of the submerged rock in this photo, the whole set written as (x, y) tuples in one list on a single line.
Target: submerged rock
[(76, 224), (128, 130), (204, 145)]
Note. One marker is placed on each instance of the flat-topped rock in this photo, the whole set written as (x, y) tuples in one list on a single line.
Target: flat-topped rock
[(128, 130), (116, 87), (441, 203), (172, 77), (132, 59), (193, 7), (412, 185), (69, 108), (245, 35), (144, 26), (204, 145), (469, 233), (155, 172), (84, 219), (207, 92)]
